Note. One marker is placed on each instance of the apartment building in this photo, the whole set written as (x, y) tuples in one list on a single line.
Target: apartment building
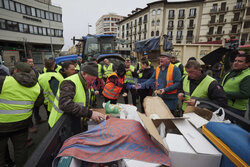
[(106, 24), (189, 22), (29, 28)]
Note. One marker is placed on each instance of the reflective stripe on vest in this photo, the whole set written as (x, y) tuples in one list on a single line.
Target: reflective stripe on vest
[(108, 71), (169, 77), (200, 92), (233, 85), (129, 76), (43, 80), (79, 98), (16, 101), (111, 91)]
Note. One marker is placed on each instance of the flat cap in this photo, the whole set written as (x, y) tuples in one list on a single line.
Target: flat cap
[(166, 54)]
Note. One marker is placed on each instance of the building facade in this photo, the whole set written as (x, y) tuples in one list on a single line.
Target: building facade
[(29, 28), (107, 24), (198, 21)]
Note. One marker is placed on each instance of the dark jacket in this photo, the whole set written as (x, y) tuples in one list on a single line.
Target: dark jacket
[(67, 93), (216, 93), (180, 66), (27, 80)]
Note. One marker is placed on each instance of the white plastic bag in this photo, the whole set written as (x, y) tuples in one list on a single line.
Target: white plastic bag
[(216, 117)]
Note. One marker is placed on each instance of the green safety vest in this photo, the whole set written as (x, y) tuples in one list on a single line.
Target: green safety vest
[(43, 80), (77, 67), (99, 71), (200, 91), (177, 64), (233, 85), (80, 98), (57, 68), (17, 101), (129, 76), (108, 71)]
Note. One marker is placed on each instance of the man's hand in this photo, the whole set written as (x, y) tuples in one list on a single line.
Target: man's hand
[(96, 92), (161, 91), (137, 86), (124, 94), (181, 96), (190, 102), (97, 117), (138, 71)]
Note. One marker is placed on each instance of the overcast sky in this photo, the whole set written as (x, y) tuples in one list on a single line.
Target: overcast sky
[(77, 14)]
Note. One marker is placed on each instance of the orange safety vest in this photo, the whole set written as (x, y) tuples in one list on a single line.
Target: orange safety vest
[(169, 77), (111, 91)]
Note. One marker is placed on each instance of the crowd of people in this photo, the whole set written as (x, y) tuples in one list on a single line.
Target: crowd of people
[(72, 88)]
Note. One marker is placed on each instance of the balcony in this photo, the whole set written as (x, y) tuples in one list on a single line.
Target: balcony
[(144, 30), (191, 26), (170, 27), (210, 33), (234, 32), (140, 22), (236, 20), (239, 7), (139, 32), (213, 10), (192, 16), (180, 27), (171, 17), (178, 38), (181, 16), (189, 39), (170, 37)]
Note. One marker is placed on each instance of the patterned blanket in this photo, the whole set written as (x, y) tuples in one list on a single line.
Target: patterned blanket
[(112, 140)]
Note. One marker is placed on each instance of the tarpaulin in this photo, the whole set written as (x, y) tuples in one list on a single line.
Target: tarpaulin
[(112, 140)]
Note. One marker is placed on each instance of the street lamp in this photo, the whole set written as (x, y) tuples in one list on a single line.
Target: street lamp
[(88, 27)]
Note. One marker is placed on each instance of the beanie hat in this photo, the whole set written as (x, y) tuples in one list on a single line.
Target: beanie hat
[(90, 68), (23, 67)]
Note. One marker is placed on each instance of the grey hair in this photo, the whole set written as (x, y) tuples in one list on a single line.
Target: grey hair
[(193, 63)]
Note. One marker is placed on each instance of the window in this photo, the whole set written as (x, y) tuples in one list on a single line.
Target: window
[(59, 17), (57, 33), (55, 17), (153, 23), (38, 12), (190, 33), (13, 26), (145, 18), (31, 28), (44, 31), (18, 7), (28, 10), (152, 33), (236, 16), (1, 3), (219, 30), (170, 24), (159, 11), (157, 33), (158, 22), (48, 31), (213, 19), (2, 24), (214, 8), (211, 30), (21, 27), (145, 35), (248, 11), (180, 23), (181, 13), (192, 12), (12, 6), (179, 34), (47, 15), (247, 24), (234, 29), (191, 23), (171, 14), (153, 12), (33, 11), (221, 18), (60, 33), (35, 30), (170, 34), (6, 4), (51, 16), (25, 28), (23, 9), (223, 6), (42, 14)]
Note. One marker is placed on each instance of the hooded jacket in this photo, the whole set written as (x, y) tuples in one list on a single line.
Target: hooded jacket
[(27, 80)]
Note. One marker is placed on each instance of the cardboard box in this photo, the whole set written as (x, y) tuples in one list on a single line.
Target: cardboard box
[(195, 146)]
